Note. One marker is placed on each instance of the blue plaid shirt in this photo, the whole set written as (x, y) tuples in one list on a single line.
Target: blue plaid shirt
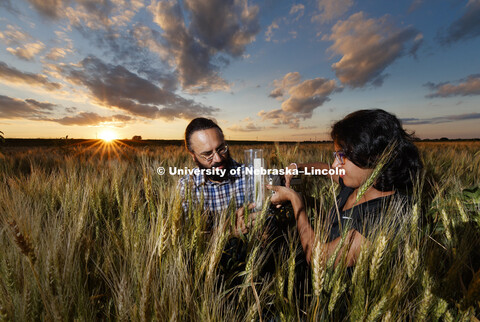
[(217, 195)]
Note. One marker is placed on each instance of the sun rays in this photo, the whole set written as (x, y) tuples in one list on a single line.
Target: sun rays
[(108, 136)]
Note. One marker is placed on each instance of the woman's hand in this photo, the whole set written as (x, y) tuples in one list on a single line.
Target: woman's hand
[(281, 194), (288, 176)]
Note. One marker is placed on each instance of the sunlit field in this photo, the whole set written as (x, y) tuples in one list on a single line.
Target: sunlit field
[(94, 233)]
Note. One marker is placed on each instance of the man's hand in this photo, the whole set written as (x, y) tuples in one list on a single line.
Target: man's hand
[(289, 177), (241, 226)]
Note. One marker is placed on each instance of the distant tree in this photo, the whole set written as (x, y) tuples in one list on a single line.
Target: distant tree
[(1, 136), (137, 138)]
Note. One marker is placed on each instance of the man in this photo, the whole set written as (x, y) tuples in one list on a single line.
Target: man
[(224, 182), (225, 187)]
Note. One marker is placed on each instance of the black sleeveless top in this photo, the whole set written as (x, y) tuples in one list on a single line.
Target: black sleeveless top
[(363, 217)]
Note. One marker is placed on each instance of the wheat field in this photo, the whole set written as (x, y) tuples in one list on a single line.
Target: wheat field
[(94, 233)]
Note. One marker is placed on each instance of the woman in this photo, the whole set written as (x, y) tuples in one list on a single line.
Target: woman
[(360, 140)]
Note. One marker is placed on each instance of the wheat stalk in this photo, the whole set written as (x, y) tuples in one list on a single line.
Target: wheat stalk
[(249, 269), (448, 317), (446, 224), (427, 297), (378, 255), (23, 242), (319, 258), (280, 284), (384, 159), (463, 214), (387, 317), (291, 273), (338, 288), (440, 308), (414, 221), (412, 257), (27, 249), (219, 242), (377, 309)]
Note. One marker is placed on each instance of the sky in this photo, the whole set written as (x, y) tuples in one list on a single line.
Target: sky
[(264, 70)]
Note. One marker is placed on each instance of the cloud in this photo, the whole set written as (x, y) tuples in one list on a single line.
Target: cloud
[(12, 108), (14, 36), (105, 15), (30, 109), (195, 51), (249, 127), (308, 95), (191, 58), (197, 37), (93, 14), (28, 51), (226, 26), (298, 9), (270, 29), (41, 105), (303, 98), (417, 42), (105, 23), (48, 8), (284, 36), (466, 27), (113, 86), (57, 53), (13, 75), (8, 5), (415, 5), (280, 117), (147, 37), (332, 9), (280, 23), (368, 47), (284, 84), (92, 119), (441, 119), (64, 47), (466, 87)]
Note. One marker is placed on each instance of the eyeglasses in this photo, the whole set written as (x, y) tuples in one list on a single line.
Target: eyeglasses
[(339, 156), (220, 151)]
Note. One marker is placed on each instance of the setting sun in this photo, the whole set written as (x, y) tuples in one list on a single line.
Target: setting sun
[(108, 136)]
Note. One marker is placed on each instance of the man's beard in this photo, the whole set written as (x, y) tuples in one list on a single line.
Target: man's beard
[(226, 163)]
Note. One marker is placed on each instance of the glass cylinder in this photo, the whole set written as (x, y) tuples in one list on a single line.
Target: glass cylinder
[(255, 178)]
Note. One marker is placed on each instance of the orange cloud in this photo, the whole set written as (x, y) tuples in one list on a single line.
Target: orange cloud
[(368, 47)]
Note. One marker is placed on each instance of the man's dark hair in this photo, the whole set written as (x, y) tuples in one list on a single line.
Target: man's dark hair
[(364, 135), (199, 124)]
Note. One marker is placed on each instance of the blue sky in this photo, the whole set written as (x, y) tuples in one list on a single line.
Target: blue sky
[(272, 70)]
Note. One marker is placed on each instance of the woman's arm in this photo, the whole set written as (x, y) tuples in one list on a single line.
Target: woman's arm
[(306, 232), (309, 166)]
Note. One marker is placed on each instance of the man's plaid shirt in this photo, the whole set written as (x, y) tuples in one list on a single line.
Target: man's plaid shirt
[(217, 195)]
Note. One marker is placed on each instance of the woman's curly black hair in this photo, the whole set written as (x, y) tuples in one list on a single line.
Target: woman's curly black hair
[(364, 135)]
